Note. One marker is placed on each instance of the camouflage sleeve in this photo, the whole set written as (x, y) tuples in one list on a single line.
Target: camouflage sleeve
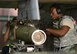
[(67, 22)]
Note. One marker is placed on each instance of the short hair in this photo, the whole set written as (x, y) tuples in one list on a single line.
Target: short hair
[(58, 8)]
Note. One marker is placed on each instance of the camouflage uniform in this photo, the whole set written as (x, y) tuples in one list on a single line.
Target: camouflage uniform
[(67, 42)]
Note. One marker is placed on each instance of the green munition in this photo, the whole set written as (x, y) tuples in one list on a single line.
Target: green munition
[(24, 33)]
